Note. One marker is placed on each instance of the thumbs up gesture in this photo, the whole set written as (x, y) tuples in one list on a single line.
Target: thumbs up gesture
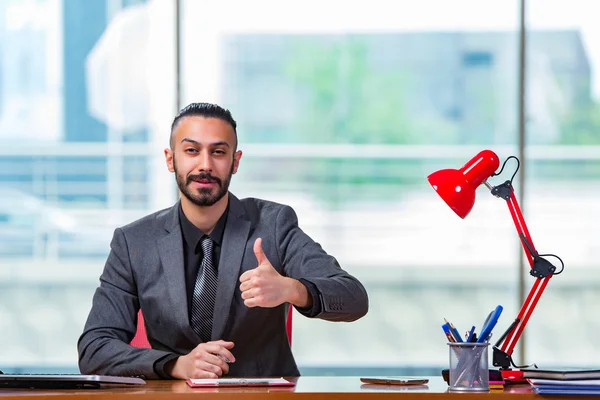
[(263, 286)]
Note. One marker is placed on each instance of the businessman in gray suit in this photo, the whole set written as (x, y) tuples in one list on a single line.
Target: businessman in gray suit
[(212, 275)]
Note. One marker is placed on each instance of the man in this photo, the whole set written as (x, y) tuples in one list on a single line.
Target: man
[(212, 274)]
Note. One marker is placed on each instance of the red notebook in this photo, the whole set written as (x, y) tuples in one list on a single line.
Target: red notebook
[(233, 382)]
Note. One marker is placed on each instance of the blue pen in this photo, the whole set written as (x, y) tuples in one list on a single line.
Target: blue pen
[(454, 331), (488, 325), (449, 335), (470, 335)]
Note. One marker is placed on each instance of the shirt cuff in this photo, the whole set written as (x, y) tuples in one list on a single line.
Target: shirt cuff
[(316, 307), (159, 365)]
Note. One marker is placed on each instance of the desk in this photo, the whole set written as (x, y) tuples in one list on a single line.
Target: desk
[(307, 388)]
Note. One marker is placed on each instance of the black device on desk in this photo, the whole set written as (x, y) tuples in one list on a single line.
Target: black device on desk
[(494, 375), (65, 381)]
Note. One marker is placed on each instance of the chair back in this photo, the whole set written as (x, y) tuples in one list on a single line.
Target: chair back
[(140, 339)]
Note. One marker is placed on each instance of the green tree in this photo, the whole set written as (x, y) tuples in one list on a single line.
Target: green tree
[(581, 125), (346, 98)]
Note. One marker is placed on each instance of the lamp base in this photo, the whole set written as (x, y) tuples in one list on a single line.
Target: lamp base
[(512, 376), (504, 361)]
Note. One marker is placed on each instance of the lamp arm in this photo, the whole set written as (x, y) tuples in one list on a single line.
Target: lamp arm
[(540, 268)]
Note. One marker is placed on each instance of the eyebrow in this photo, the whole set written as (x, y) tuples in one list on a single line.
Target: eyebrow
[(220, 143)]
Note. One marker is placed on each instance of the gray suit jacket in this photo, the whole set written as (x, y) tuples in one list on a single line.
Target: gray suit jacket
[(145, 268)]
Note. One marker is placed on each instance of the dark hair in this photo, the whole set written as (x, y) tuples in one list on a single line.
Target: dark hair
[(206, 110)]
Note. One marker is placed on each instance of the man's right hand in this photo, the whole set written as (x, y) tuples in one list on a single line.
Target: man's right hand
[(207, 360)]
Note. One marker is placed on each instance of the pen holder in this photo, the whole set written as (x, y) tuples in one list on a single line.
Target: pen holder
[(469, 368)]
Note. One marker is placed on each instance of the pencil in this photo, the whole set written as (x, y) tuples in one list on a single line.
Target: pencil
[(454, 331), (449, 335)]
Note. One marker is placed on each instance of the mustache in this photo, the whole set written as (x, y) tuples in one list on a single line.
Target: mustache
[(203, 176)]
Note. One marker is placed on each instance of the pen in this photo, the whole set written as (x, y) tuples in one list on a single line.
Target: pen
[(446, 329), (488, 325), (454, 331), (244, 382), (470, 334)]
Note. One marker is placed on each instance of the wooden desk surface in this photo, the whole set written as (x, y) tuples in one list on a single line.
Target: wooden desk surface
[(307, 388)]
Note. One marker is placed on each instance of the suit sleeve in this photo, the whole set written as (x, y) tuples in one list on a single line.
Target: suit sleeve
[(104, 344), (342, 297)]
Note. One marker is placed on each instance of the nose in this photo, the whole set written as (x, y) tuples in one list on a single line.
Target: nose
[(205, 162)]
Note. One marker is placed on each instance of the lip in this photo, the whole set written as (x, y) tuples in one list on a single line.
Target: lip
[(204, 184)]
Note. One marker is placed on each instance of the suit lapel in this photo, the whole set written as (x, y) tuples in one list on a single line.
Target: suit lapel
[(230, 262), (171, 256)]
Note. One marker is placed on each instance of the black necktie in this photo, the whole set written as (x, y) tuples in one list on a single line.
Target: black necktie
[(205, 292)]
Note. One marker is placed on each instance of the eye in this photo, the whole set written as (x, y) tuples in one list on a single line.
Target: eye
[(190, 150), (219, 152)]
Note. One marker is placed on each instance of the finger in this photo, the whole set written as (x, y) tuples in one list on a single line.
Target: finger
[(252, 302), (227, 355), (221, 348), (217, 361), (216, 346), (199, 374), (248, 294), (225, 368), (259, 253), (226, 344), (208, 367), (247, 285), (246, 276)]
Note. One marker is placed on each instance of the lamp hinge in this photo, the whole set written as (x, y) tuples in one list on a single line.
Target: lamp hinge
[(503, 190)]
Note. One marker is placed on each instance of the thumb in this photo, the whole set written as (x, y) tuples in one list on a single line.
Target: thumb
[(259, 253)]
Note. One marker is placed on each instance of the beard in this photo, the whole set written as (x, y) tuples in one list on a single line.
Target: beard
[(203, 197)]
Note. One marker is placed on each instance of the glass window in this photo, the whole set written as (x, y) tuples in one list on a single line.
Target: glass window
[(87, 95), (563, 174), (343, 116)]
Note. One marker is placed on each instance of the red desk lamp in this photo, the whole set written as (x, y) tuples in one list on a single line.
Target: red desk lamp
[(457, 188)]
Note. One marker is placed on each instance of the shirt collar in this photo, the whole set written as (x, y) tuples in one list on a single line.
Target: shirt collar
[(193, 235)]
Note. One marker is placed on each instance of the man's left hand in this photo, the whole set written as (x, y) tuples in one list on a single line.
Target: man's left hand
[(263, 286)]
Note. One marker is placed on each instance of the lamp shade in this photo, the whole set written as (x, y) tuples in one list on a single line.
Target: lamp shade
[(457, 186)]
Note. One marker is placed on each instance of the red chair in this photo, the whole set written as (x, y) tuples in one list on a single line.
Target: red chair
[(141, 340)]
